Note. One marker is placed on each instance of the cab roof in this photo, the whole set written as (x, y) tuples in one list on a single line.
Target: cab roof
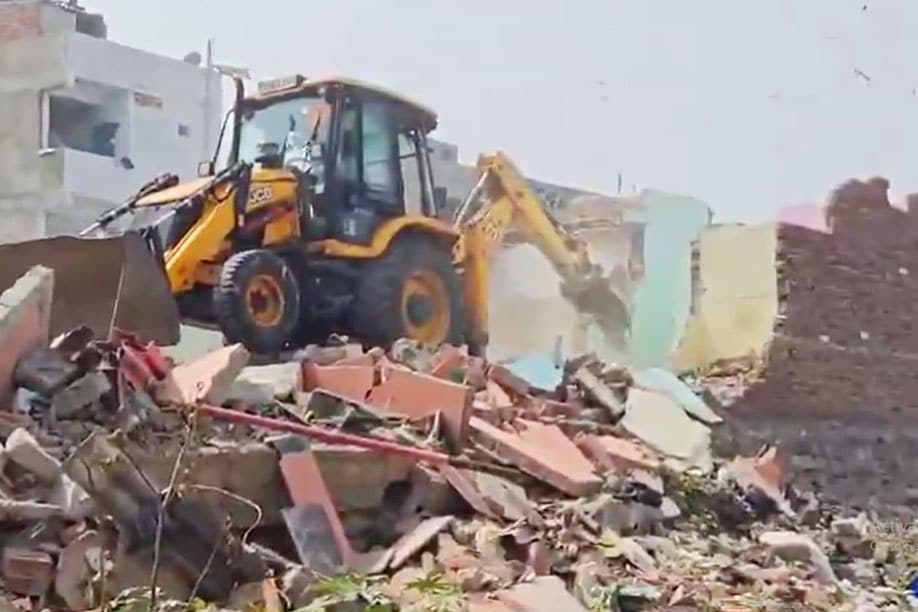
[(301, 85)]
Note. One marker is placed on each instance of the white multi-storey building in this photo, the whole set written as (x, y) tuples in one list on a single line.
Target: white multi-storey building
[(84, 121)]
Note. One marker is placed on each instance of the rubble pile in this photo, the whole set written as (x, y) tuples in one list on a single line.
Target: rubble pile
[(838, 388), (419, 478)]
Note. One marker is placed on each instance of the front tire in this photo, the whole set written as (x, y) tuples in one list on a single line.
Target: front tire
[(257, 301), (413, 292)]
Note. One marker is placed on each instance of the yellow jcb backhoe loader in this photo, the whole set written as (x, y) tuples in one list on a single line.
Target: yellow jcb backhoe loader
[(317, 214)]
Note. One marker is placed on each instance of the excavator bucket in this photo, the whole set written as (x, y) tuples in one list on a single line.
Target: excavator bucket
[(101, 283)]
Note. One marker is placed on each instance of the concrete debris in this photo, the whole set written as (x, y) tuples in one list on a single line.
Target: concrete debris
[(422, 478), (660, 422)]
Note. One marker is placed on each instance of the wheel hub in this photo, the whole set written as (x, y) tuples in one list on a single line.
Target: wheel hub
[(420, 309), (265, 301)]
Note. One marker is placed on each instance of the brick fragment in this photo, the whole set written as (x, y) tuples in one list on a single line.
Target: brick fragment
[(545, 407), (419, 396), (448, 363), (508, 380), (543, 451), (617, 454), (307, 489), (497, 397), (351, 382), (27, 571), (413, 542)]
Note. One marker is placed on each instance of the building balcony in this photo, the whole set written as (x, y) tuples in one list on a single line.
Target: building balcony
[(85, 175)]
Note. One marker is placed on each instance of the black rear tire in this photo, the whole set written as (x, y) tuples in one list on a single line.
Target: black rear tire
[(257, 301), (415, 265)]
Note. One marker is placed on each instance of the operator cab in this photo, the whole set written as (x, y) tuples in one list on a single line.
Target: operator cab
[(359, 152)]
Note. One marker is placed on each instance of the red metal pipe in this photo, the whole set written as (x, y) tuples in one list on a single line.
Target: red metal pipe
[(326, 435)]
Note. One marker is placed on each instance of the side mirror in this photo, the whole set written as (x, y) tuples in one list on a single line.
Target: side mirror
[(205, 169)]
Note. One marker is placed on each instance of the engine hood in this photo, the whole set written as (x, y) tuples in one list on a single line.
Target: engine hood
[(176, 193)]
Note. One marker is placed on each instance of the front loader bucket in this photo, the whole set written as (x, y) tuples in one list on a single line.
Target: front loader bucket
[(100, 283)]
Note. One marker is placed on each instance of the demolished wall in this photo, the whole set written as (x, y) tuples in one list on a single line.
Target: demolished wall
[(839, 386)]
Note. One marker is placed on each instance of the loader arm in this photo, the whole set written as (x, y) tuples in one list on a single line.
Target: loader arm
[(503, 197)]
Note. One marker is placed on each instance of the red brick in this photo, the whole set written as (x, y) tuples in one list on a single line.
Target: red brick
[(617, 454), (446, 361), (25, 317), (27, 571), (497, 397), (541, 406), (476, 372), (306, 486), (543, 451), (350, 381), (419, 396), (508, 380)]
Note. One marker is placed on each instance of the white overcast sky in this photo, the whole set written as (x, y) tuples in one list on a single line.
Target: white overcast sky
[(751, 105)]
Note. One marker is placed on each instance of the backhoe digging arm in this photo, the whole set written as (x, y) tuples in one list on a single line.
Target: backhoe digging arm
[(502, 197)]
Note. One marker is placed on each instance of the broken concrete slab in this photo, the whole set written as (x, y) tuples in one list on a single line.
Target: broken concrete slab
[(23, 449), (542, 371), (667, 383), (80, 394), (25, 511), (791, 546), (464, 484), (248, 470), (74, 573), (357, 478), (660, 422), (507, 498), (543, 451), (75, 503), (208, 378), (44, 372), (25, 317), (418, 396), (263, 384), (543, 594), (194, 546)]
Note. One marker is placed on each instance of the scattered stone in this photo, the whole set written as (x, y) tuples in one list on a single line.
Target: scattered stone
[(23, 449)]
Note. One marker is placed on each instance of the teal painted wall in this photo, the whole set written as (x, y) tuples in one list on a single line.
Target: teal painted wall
[(663, 299)]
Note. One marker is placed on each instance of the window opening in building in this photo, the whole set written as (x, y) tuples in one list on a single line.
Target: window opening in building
[(74, 124)]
